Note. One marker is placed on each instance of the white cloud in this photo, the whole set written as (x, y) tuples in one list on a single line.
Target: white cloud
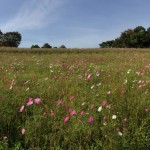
[(34, 14)]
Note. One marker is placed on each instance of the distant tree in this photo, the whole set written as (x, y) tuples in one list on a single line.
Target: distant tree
[(62, 46), (35, 46), (10, 39), (1, 32), (55, 47), (1, 44), (138, 37), (148, 37), (46, 45), (107, 44)]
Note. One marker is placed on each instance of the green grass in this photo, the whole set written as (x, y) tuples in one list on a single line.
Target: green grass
[(119, 77)]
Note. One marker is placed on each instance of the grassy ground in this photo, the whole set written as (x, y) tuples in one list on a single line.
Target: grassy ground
[(76, 99)]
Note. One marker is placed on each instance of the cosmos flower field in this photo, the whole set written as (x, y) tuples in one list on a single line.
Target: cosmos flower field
[(89, 100)]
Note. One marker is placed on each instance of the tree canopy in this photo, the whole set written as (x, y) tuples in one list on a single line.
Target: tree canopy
[(10, 39), (46, 45), (138, 37)]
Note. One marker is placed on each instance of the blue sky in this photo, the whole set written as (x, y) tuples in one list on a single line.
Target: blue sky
[(74, 23)]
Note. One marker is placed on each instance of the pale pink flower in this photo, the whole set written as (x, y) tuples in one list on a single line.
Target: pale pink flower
[(37, 101), (30, 102), (117, 129), (123, 90), (82, 112), (52, 113), (146, 110), (59, 102), (104, 118), (83, 104), (88, 77), (22, 108), (23, 131), (91, 119), (67, 107), (92, 106), (72, 97), (66, 119), (11, 87), (104, 102), (73, 112)]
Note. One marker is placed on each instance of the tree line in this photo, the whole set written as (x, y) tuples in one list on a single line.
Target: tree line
[(46, 45), (138, 37), (10, 39)]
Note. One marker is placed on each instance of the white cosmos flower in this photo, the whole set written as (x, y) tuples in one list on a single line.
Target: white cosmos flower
[(105, 124), (120, 133), (100, 109), (114, 117), (92, 86)]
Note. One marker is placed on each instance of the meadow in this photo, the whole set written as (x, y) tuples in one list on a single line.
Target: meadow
[(95, 99)]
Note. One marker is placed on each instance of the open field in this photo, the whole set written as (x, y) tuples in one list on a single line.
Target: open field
[(77, 99)]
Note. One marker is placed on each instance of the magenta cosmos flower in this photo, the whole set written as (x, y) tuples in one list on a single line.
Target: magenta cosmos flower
[(73, 112), (91, 119), (66, 119), (30, 102)]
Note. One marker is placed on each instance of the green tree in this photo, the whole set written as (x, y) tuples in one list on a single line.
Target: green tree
[(107, 44), (138, 39), (62, 46), (35, 46), (10, 39), (46, 45), (1, 34)]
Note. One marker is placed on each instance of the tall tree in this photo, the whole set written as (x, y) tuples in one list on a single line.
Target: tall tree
[(10, 39), (46, 45)]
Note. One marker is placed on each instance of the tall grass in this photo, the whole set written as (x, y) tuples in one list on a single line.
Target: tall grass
[(96, 100)]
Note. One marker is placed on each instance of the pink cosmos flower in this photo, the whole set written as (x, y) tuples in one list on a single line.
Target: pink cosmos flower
[(67, 107), (22, 108), (104, 102), (59, 102), (23, 131), (92, 106), (51, 113), (30, 102), (72, 97), (82, 112), (11, 87), (73, 112), (88, 77), (37, 101), (91, 119), (146, 110), (104, 118), (66, 119), (117, 129)]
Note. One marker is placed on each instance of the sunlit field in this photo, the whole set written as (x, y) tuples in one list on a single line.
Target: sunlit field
[(75, 99)]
